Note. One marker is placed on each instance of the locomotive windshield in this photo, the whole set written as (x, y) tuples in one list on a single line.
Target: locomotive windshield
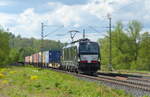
[(89, 47)]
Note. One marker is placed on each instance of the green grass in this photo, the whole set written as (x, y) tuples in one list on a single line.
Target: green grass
[(35, 82)]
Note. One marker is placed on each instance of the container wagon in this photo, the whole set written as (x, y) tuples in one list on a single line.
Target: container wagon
[(35, 59), (27, 59), (30, 60), (52, 58)]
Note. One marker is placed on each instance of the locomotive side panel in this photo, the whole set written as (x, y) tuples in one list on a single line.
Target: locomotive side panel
[(69, 58)]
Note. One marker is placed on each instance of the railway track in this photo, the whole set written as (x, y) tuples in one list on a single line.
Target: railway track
[(120, 81), (130, 83), (139, 79), (137, 83)]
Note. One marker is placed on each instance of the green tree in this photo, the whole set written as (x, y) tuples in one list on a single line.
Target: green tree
[(104, 51), (28, 46), (125, 46), (134, 28), (144, 52), (13, 56), (120, 48), (4, 47), (27, 51)]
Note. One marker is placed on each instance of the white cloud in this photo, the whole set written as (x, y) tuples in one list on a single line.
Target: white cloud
[(98, 9), (28, 22), (6, 18)]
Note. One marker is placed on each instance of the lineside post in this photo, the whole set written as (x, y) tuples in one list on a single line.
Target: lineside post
[(110, 44), (42, 40)]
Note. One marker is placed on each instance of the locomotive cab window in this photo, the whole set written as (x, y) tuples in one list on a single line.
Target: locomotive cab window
[(89, 47)]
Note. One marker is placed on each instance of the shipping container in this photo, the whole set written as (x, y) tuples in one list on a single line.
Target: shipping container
[(54, 56), (39, 58), (35, 58), (27, 59), (46, 53), (30, 59), (51, 56), (44, 56)]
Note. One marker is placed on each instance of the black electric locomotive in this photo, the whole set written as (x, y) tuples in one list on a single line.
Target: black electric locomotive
[(81, 56)]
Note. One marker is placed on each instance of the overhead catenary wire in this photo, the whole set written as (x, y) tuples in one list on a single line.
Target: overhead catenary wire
[(54, 31)]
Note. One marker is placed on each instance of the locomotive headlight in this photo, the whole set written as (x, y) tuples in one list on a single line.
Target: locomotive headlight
[(78, 60)]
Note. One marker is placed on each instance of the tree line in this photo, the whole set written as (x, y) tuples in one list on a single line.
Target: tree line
[(130, 47), (15, 48)]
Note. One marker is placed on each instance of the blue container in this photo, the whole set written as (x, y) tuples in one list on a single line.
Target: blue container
[(54, 56), (51, 56)]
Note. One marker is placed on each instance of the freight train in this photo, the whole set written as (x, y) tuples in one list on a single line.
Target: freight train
[(49, 58), (79, 56)]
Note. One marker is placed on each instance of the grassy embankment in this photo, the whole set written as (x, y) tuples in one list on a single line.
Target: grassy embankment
[(34, 82)]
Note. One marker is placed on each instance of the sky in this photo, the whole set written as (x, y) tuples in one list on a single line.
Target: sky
[(24, 17)]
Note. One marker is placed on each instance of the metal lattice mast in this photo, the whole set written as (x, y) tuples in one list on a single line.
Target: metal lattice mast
[(110, 43)]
